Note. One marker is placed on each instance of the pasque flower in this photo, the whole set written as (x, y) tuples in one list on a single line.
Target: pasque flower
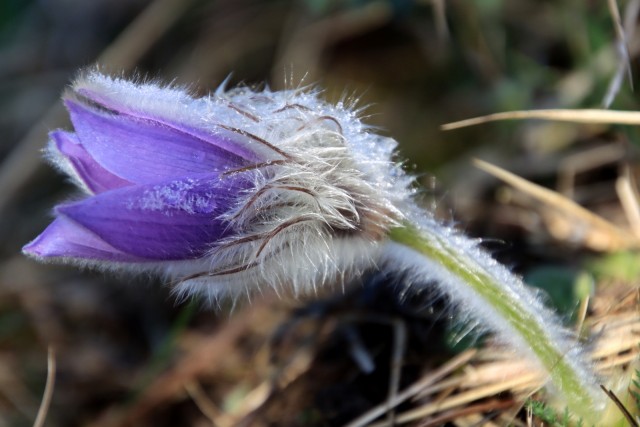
[(247, 189), (222, 193)]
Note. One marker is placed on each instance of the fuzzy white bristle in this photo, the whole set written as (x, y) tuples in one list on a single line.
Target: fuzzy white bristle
[(312, 216)]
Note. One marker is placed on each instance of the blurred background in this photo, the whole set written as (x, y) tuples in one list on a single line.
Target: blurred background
[(128, 354)]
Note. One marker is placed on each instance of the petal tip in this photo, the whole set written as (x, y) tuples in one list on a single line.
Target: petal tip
[(37, 249), (65, 240)]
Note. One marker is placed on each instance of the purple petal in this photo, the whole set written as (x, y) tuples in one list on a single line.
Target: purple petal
[(95, 177), (66, 239), (234, 143), (172, 220), (143, 150)]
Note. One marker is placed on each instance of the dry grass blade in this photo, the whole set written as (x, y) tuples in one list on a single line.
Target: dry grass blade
[(492, 405), (48, 389), (440, 19), (565, 219), (624, 59), (631, 13), (617, 22), (431, 378), (620, 406), (582, 315), (630, 199), (586, 160), (203, 402), (527, 379), (399, 345), (593, 116)]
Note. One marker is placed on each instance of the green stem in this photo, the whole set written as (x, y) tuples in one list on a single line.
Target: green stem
[(570, 383)]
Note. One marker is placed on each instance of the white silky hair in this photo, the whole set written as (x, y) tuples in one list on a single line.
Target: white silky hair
[(316, 213)]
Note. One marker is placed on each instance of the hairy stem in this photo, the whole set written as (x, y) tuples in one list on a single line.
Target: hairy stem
[(501, 306)]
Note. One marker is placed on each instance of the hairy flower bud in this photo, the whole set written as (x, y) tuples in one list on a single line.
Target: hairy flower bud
[(236, 190)]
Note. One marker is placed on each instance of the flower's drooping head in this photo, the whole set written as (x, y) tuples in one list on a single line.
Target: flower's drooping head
[(224, 193)]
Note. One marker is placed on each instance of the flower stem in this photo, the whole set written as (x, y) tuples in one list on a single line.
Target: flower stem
[(571, 379)]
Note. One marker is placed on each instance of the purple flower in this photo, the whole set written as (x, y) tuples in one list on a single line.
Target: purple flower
[(220, 193), (244, 189)]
